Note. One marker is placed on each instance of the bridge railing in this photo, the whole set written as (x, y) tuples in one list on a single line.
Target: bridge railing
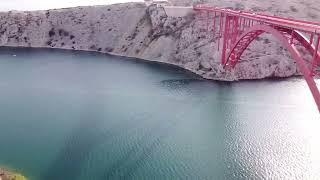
[(305, 26), (229, 24)]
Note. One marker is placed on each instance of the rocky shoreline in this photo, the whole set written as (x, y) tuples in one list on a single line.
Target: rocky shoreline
[(7, 175), (135, 30)]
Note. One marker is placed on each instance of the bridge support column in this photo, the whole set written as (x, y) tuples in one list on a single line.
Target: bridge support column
[(315, 60), (225, 40)]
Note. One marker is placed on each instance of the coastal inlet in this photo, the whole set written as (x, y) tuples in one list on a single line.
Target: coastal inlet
[(69, 115)]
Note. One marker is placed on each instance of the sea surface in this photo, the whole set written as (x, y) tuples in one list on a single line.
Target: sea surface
[(68, 115)]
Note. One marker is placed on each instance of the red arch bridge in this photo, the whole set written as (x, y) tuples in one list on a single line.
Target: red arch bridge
[(236, 30)]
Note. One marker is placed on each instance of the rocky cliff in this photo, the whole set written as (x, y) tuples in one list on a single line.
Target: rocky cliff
[(134, 30)]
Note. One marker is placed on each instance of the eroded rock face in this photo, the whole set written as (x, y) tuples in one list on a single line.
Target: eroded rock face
[(134, 30)]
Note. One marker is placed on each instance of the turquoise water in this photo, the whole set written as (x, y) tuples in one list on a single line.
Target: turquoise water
[(84, 116)]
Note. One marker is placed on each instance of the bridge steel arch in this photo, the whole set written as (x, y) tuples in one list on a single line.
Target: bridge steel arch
[(285, 37)]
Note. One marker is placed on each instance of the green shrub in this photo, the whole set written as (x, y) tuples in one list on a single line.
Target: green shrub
[(18, 177)]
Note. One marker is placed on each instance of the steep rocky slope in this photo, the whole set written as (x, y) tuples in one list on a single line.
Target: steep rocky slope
[(134, 30)]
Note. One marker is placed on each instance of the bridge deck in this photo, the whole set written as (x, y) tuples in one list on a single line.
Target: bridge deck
[(304, 26)]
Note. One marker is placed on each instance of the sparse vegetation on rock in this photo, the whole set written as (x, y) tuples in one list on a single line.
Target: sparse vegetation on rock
[(52, 32)]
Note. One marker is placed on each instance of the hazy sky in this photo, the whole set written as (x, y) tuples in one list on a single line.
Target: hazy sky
[(6, 5)]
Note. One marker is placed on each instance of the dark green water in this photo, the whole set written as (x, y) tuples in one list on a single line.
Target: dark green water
[(84, 116)]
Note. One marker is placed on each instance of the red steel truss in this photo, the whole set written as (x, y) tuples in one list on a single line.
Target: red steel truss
[(238, 29)]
